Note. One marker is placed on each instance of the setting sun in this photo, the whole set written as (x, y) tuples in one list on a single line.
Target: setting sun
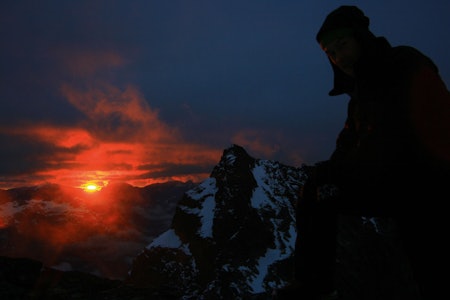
[(90, 187)]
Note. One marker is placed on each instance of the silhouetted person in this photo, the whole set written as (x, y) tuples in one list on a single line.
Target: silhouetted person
[(391, 158)]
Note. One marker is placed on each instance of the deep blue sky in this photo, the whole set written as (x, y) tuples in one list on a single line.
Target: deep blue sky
[(142, 90)]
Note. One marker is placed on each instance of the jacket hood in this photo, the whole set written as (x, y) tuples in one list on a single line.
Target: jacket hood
[(345, 16)]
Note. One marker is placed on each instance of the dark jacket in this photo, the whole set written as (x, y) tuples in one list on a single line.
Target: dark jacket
[(397, 132)]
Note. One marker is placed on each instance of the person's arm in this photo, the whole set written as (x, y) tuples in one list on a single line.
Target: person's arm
[(329, 171)]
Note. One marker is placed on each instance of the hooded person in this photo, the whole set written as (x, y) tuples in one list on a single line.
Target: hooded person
[(344, 21), (391, 157)]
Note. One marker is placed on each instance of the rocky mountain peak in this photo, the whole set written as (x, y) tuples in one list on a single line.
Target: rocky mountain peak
[(231, 235)]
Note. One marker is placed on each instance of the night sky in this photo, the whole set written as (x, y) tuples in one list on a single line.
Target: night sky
[(145, 91)]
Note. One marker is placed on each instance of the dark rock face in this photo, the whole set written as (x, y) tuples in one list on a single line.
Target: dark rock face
[(27, 279), (371, 261)]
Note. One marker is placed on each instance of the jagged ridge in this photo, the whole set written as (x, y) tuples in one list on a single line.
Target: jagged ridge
[(231, 236)]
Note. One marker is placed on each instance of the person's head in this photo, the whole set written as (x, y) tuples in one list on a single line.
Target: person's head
[(341, 34)]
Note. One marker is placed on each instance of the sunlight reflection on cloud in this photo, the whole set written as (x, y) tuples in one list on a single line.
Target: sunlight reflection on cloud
[(119, 134)]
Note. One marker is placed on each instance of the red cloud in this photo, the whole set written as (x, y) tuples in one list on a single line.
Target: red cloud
[(119, 114), (119, 134)]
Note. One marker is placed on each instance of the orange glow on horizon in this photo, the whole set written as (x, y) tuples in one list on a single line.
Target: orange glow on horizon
[(118, 138), (80, 156)]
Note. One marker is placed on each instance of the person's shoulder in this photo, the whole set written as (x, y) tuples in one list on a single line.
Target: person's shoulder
[(407, 52), (410, 56)]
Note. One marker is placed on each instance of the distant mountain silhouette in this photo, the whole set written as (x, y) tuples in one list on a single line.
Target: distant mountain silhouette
[(232, 237), (69, 229)]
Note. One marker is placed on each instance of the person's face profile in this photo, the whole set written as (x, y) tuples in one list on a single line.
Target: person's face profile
[(344, 52)]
